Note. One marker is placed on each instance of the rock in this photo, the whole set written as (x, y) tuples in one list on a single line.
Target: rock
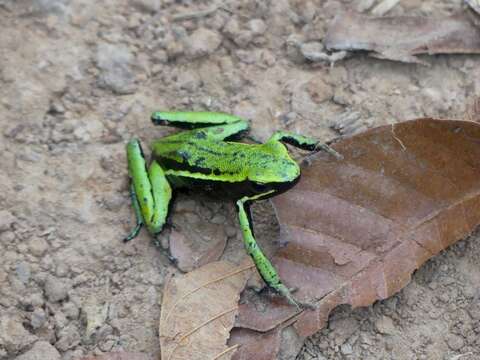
[(13, 336), (147, 5), (69, 337), (56, 289), (455, 342), (40, 351), (22, 269), (257, 26), (346, 349), (38, 318), (384, 325), (202, 42), (37, 246), (71, 310), (6, 220), (114, 62), (50, 6)]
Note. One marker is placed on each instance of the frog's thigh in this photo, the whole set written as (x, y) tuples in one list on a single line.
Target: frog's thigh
[(151, 188), (162, 195), (263, 265)]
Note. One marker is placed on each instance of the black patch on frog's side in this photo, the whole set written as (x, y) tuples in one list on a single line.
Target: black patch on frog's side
[(233, 191), (199, 161), (236, 136), (168, 163), (180, 124), (292, 141), (200, 135)]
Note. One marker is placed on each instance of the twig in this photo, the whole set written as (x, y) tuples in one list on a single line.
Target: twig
[(226, 351), (396, 138), (195, 14)]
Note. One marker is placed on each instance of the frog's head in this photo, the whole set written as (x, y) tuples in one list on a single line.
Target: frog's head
[(278, 175)]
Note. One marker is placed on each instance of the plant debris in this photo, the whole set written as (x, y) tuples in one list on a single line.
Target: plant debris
[(402, 38)]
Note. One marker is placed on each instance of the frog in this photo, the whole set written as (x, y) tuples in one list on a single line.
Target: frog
[(208, 157)]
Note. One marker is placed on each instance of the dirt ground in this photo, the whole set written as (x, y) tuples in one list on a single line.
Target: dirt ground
[(79, 78)]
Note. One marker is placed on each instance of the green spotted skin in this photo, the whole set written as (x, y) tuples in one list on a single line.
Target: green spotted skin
[(206, 158)]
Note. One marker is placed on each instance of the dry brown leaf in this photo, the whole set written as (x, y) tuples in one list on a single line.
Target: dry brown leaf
[(119, 356), (473, 110), (198, 311), (254, 345), (401, 38), (474, 4), (362, 225)]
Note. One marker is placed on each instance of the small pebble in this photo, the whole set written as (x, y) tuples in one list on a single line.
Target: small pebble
[(56, 289)]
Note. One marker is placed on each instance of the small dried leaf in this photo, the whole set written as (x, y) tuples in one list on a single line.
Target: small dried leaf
[(363, 224), (401, 38), (198, 311)]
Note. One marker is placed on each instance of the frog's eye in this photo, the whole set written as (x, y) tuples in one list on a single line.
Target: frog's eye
[(259, 187)]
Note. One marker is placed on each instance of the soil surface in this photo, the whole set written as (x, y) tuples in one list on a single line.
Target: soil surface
[(79, 78)]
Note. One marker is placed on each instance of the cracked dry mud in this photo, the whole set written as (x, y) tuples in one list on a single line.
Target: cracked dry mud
[(79, 78)]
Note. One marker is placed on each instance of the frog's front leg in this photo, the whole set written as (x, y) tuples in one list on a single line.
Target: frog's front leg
[(303, 142), (263, 265), (150, 191)]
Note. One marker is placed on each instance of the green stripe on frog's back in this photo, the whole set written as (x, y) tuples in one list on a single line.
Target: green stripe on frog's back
[(192, 120)]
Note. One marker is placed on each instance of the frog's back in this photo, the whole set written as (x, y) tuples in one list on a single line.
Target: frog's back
[(204, 159), (226, 169)]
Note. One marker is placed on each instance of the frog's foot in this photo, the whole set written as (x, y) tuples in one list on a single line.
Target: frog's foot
[(287, 294), (133, 234), (138, 216)]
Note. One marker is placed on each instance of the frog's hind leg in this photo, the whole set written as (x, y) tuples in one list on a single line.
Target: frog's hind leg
[(150, 191), (263, 265)]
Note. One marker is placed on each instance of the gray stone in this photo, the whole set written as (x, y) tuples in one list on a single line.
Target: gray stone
[(22, 269), (147, 5), (346, 349), (257, 26), (38, 318), (384, 325), (41, 350), (56, 289), (114, 62), (69, 337), (13, 336), (37, 246), (6, 220), (50, 6), (202, 42), (455, 342), (71, 310)]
